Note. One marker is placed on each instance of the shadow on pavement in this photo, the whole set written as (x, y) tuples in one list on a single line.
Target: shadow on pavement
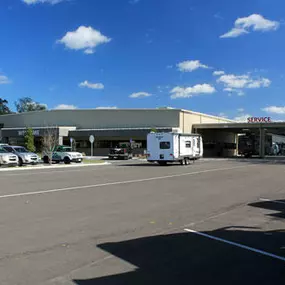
[(148, 164), (187, 258), (274, 205), (269, 160), (249, 161)]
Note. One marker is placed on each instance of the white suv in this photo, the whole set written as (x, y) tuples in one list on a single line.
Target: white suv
[(8, 158), (64, 154)]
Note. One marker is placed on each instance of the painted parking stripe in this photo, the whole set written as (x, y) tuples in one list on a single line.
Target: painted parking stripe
[(236, 245), (119, 182)]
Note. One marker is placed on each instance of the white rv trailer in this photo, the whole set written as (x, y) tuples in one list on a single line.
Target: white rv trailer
[(166, 148)]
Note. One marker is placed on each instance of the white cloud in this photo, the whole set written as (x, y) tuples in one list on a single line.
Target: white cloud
[(30, 2), (91, 85), (140, 95), (65, 107), (187, 92), (222, 115), (89, 51), (84, 38), (274, 110), (107, 108), (232, 90), (242, 117), (190, 65), (254, 22), (262, 82), (218, 72), (4, 79), (240, 110), (234, 33), (233, 83)]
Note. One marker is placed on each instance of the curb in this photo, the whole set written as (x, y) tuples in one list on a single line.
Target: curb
[(51, 167)]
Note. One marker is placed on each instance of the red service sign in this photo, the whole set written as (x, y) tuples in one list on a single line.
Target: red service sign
[(259, 120)]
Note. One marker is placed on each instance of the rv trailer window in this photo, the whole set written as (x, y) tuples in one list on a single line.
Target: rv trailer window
[(164, 145), (188, 144)]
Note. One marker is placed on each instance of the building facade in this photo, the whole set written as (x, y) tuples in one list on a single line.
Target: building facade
[(109, 127)]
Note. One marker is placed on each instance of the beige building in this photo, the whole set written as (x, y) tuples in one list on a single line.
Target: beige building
[(109, 127)]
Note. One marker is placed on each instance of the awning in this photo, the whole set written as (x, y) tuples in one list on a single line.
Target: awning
[(273, 127), (20, 132), (117, 132), (37, 131)]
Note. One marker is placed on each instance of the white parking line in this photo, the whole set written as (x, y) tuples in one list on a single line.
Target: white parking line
[(119, 182), (236, 244), (67, 171), (272, 201), (47, 167)]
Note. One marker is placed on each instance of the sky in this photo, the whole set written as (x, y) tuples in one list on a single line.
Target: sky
[(218, 57)]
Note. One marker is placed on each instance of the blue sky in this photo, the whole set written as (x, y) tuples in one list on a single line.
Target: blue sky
[(146, 53)]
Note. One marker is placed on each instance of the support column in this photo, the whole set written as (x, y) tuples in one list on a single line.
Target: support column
[(60, 140), (236, 141), (261, 143)]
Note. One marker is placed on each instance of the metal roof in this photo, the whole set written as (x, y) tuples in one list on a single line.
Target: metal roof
[(122, 129), (276, 127)]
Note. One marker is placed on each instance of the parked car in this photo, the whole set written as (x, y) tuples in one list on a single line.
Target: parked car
[(7, 158), (24, 156), (64, 154), (123, 151)]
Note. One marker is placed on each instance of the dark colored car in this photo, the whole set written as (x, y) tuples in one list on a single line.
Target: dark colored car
[(121, 153)]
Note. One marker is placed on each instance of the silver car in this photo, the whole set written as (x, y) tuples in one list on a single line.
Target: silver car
[(25, 157), (7, 158)]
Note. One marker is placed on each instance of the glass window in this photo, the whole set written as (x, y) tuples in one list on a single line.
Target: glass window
[(21, 149), (188, 144), (8, 148), (2, 150), (164, 145)]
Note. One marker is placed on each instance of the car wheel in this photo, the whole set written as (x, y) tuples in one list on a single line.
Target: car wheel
[(66, 160), (186, 161), (20, 162)]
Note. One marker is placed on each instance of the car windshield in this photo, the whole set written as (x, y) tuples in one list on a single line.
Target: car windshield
[(21, 149), (2, 150)]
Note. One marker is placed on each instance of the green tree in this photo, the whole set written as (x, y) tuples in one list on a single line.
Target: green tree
[(27, 104), (4, 109), (29, 140)]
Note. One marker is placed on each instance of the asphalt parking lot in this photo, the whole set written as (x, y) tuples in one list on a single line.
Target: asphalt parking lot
[(214, 222)]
